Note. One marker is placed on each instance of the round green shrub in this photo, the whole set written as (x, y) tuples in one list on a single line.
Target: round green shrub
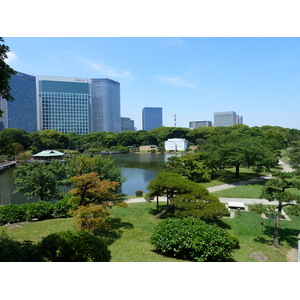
[(74, 246), (192, 239), (14, 251)]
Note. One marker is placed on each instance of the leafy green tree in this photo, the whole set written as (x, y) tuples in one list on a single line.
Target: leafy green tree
[(198, 203), (6, 148), (42, 180), (190, 166), (6, 73), (14, 135), (238, 150), (280, 189), (167, 184), (49, 139), (294, 155), (104, 166)]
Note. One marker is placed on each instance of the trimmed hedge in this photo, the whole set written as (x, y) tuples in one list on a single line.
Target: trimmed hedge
[(41, 210), (193, 239), (74, 246)]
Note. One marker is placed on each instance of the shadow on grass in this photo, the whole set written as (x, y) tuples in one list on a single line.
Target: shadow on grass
[(227, 176), (114, 231), (286, 235)]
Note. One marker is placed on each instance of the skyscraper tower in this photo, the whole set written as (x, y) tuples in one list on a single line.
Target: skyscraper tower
[(105, 105), (151, 117), (20, 113)]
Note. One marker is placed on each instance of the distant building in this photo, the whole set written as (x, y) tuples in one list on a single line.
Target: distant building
[(176, 145), (105, 105), (152, 118), (79, 105), (148, 148), (227, 118), (48, 155), (20, 113), (63, 104), (127, 124), (198, 124)]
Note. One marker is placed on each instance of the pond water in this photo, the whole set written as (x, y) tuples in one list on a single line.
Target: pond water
[(138, 169)]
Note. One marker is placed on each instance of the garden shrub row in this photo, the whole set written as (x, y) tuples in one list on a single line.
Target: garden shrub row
[(63, 246), (41, 210)]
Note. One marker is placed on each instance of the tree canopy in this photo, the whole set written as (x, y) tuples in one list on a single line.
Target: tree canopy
[(5, 73)]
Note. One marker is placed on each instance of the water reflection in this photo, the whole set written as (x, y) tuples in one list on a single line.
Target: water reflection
[(138, 169)]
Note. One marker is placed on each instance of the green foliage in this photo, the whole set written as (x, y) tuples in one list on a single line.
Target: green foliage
[(238, 149), (42, 210), (42, 180), (104, 166), (49, 139), (198, 203), (5, 73), (74, 246), (92, 218), (61, 208), (12, 213), (193, 239), (191, 166), (14, 251)]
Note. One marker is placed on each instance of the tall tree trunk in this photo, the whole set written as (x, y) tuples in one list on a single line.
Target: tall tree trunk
[(276, 231), (276, 228), (237, 171)]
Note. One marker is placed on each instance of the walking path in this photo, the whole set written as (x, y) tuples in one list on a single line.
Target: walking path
[(292, 255)]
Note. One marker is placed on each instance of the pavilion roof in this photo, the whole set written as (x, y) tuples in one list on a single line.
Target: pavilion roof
[(48, 153)]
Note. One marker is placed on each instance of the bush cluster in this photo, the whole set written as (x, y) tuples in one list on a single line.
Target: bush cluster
[(41, 210), (193, 239), (64, 246)]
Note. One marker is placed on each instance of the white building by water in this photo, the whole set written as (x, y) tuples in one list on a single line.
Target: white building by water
[(176, 145)]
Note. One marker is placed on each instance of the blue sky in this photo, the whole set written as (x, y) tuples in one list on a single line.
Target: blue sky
[(194, 77)]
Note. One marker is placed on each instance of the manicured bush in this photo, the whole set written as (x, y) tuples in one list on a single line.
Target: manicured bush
[(41, 210), (92, 218), (14, 251), (74, 246), (193, 239), (12, 213)]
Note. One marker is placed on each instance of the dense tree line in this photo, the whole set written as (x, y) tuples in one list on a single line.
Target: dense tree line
[(15, 140)]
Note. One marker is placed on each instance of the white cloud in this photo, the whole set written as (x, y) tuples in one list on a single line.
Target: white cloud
[(11, 57), (177, 81), (175, 42), (105, 70)]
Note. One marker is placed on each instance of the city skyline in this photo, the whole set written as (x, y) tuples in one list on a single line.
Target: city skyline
[(189, 77)]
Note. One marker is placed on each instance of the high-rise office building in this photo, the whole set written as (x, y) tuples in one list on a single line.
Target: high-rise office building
[(198, 124), (20, 113), (63, 104), (226, 118), (127, 124), (152, 118), (105, 105)]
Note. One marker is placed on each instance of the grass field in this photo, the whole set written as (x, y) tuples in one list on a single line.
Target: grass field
[(132, 227)]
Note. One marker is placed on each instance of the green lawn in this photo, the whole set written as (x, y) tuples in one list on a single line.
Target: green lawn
[(252, 190), (133, 226)]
